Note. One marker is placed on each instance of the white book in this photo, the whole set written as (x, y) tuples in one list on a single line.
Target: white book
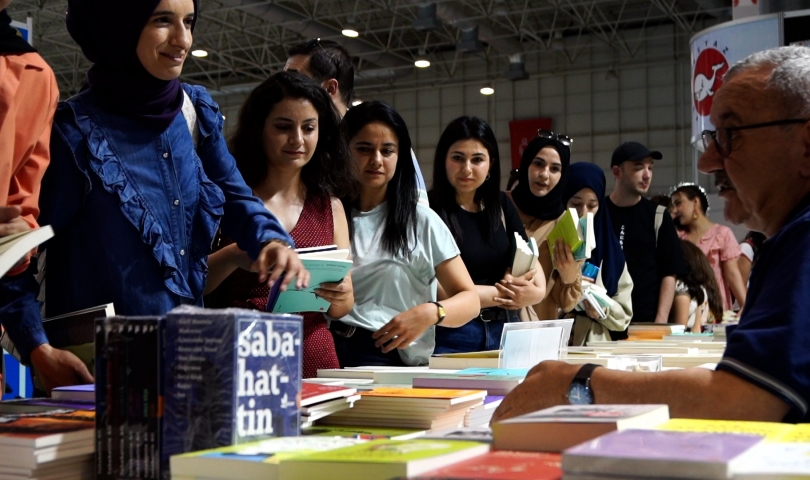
[(13, 248)]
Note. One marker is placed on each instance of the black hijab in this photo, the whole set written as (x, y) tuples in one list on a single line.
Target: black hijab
[(608, 254), (11, 42), (108, 32), (551, 206)]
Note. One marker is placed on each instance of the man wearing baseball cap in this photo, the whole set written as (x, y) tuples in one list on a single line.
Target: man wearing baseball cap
[(646, 233)]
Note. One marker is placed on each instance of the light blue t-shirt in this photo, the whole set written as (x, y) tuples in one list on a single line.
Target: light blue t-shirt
[(384, 286)]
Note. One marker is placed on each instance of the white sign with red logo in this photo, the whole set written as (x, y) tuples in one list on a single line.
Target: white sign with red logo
[(714, 51)]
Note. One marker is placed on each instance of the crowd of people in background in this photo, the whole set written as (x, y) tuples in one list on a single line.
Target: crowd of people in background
[(140, 183)]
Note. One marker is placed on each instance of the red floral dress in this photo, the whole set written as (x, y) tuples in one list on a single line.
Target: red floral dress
[(242, 289)]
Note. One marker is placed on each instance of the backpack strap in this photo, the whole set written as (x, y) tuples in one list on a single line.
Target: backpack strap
[(659, 219)]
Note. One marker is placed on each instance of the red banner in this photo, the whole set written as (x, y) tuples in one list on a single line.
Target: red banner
[(521, 132)]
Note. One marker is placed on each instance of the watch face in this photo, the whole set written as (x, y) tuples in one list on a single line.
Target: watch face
[(579, 394)]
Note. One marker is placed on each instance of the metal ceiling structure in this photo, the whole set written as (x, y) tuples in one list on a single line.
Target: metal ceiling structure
[(247, 39)]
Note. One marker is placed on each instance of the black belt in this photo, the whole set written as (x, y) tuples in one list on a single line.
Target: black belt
[(493, 313), (342, 329)]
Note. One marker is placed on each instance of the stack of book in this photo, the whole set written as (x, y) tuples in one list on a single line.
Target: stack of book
[(652, 331), (502, 465), (496, 381), (460, 361), (51, 444), (319, 401), (409, 408), (480, 415)]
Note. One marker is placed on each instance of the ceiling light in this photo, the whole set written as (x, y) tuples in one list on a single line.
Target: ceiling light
[(356, 102), (199, 53), (350, 32), (487, 90), (421, 62)]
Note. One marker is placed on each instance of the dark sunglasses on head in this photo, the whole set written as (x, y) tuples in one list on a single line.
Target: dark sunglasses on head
[(564, 139)]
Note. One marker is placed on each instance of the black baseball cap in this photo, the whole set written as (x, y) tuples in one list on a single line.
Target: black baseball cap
[(632, 151)]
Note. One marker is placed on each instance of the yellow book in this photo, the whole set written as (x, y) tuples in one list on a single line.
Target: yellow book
[(567, 228), (454, 396), (769, 430), (797, 434)]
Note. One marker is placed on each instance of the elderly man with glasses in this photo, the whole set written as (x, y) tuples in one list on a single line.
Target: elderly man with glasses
[(762, 141)]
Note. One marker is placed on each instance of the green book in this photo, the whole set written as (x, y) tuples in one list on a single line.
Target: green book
[(324, 267), (380, 460), (567, 228)]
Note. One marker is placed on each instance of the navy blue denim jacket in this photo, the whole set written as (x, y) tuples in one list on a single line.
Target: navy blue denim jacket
[(134, 213)]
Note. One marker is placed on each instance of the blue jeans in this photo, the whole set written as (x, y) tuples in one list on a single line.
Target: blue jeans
[(480, 333), (355, 347)]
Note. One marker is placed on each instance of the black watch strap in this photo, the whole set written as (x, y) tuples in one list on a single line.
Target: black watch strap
[(583, 377), (441, 312)]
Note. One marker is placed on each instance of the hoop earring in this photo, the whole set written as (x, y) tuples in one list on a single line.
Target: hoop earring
[(487, 178), (694, 216)]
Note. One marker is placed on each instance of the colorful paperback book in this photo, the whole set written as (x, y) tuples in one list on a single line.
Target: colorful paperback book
[(14, 248), (232, 376), (502, 465), (252, 461), (380, 459), (656, 454), (768, 430), (472, 434), (493, 384), (450, 397), (557, 428), (46, 429), (323, 267), (312, 393)]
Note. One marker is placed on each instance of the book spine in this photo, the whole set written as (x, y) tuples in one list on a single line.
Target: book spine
[(101, 398)]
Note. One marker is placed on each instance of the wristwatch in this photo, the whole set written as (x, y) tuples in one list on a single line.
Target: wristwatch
[(441, 311), (580, 392)]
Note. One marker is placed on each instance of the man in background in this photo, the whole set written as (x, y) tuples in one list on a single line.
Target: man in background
[(646, 233), (329, 64)]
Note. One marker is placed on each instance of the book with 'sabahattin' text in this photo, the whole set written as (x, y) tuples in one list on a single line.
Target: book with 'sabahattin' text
[(557, 428)]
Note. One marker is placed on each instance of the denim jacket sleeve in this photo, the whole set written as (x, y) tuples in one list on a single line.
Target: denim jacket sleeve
[(19, 308), (245, 219)]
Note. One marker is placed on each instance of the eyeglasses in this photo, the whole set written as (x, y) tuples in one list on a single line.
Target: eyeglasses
[(722, 136), (564, 139)]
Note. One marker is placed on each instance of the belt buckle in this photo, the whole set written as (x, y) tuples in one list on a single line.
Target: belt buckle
[(481, 315), (347, 333)]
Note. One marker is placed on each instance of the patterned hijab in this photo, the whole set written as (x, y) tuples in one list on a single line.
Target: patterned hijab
[(608, 252), (108, 32), (551, 206)]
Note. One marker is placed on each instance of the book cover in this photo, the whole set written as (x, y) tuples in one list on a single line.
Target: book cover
[(232, 376), (322, 269), (557, 428), (453, 396), (502, 465), (769, 430), (46, 429), (80, 393), (380, 459), (567, 229), (14, 248), (255, 460), (493, 384), (312, 393), (774, 461), (657, 453)]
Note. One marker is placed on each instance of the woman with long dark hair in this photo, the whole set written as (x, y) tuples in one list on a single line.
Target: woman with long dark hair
[(401, 250), (697, 296), (542, 179), (466, 194), (289, 148), (607, 267)]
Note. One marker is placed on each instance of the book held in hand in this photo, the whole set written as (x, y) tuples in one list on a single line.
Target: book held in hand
[(577, 232), (525, 257), (325, 265), (557, 428), (14, 248)]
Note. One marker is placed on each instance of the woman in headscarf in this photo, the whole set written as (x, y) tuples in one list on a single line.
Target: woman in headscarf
[(140, 174), (542, 178), (606, 267)]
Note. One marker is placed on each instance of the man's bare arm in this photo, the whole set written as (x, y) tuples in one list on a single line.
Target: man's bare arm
[(690, 393)]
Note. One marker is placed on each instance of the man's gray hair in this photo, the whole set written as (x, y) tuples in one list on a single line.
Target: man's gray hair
[(789, 78)]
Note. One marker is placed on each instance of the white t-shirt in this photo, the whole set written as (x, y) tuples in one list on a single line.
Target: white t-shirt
[(680, 289), (385, 287), (748, 251)]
